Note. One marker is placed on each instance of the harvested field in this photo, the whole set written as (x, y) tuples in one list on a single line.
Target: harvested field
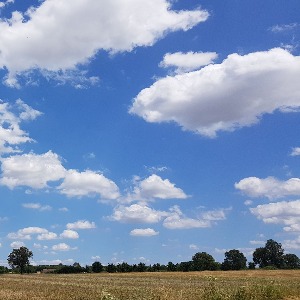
[(254, 285)]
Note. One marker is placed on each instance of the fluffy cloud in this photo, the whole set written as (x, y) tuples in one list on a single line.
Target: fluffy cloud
[(137, 213), (86, 183), (186, 62), (285, 212), (37, 206), (62, 247), (17, 244), (269, 187), (81, 224), (155, 187), (11, 115), (47, 236), (60, 35), (144, 232), (69, 234), (226, 96), (26, 233), (177, 220), (31, 170), (295, 151)]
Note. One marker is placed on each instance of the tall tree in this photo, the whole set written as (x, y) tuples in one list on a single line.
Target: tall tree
[(97, 267), (19, 258), (291, 261), (270, 255), (234, 260), (203, 261)]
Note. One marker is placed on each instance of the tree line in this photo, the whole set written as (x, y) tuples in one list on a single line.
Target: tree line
[(270, 256)]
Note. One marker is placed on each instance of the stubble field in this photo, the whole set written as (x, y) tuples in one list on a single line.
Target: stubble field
[(257, 284)]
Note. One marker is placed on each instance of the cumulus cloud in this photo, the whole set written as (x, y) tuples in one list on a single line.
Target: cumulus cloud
[(186, 62), (17, 244), (293, 244), (269, 187), (225, 96), (47, 236), (69, 234), (27, 232), (78, 184), (177, 219), (37, 206), (31, 170), (11, 116), (156, 187), (137, 213), (62, 247), (81, 224), (284, 212), (58, 36), (295, 151), (143, 232)]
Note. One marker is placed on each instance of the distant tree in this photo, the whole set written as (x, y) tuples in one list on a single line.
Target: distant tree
[(97, 267), (185, 266), (19, 258), (291, 261), (251, 265), (234, 260), (141, 267), (203, 261), (270, 255), (3, 270), (171, 267), (111, 268), (155, 268)]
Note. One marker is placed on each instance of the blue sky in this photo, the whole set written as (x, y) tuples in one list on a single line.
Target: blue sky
[(148, 130)]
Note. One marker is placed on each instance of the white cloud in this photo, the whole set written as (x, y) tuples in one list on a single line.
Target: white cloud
[(257, 242), (226, 96), (25, 233), (143, 232), (17, 244), (177, 220), (295, 151), (269, 187), (86, 183), (31, 170), (293, 244), (37, 206), (47, 236), (155, 187), (5, 3), (285, 212), (58, 36), (193, 247), (11, 115), (186, 62), (63, 209), (81, 224), (137, 213), (62, 247), (69, 234), (284, 27)]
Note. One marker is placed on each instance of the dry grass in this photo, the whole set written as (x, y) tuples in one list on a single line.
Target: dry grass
[(235, 285)]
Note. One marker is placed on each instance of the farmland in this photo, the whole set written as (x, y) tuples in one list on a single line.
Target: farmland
[(255, 285)]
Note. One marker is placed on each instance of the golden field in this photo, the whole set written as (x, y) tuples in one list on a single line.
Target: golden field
[(217, 285)]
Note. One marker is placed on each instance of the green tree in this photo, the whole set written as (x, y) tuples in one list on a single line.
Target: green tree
[(19, 258), (270, 255), (291, 261), (203, 261), (234, 260), (97, 267)]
